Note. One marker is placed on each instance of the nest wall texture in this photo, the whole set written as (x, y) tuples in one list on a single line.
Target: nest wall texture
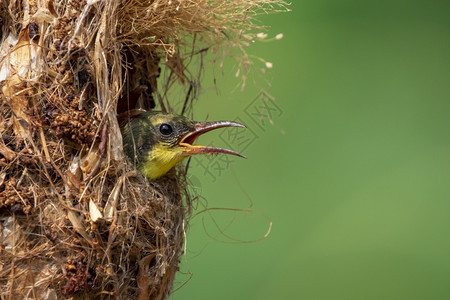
[(76, 219)]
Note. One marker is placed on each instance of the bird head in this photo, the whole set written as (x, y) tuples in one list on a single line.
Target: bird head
[(157, 141)]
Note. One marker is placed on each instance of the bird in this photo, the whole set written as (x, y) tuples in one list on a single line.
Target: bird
[(156, 141)]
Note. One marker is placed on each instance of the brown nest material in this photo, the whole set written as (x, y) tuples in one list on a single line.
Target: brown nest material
[(76, 219)]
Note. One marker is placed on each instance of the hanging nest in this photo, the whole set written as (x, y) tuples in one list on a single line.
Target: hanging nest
[(76, 219)]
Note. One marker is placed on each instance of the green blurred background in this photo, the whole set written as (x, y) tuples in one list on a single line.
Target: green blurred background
[(354, 172)]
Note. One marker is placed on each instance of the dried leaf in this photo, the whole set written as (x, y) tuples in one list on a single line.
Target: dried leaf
[(2, 178), (11, 234), (6, 152), (19, 62), (74, 218), (73, 180), (21, 56), (94, 211), (6, 46), (75, 168), (90, 161), (43, 15), (13, 90), (111, 204)]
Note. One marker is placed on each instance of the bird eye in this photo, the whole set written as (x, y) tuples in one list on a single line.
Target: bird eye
[(165, 129)]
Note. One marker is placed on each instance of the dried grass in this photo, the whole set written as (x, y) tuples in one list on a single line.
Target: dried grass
[(76, 219)]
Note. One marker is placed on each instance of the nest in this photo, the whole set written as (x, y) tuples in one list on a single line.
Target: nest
[(76, 219)]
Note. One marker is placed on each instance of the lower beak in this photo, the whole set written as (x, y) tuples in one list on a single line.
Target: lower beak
[(200, 128)]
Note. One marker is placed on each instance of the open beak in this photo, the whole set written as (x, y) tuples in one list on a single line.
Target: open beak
[(187, 141)]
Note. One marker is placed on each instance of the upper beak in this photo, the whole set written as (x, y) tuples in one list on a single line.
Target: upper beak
[(200, 128)]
